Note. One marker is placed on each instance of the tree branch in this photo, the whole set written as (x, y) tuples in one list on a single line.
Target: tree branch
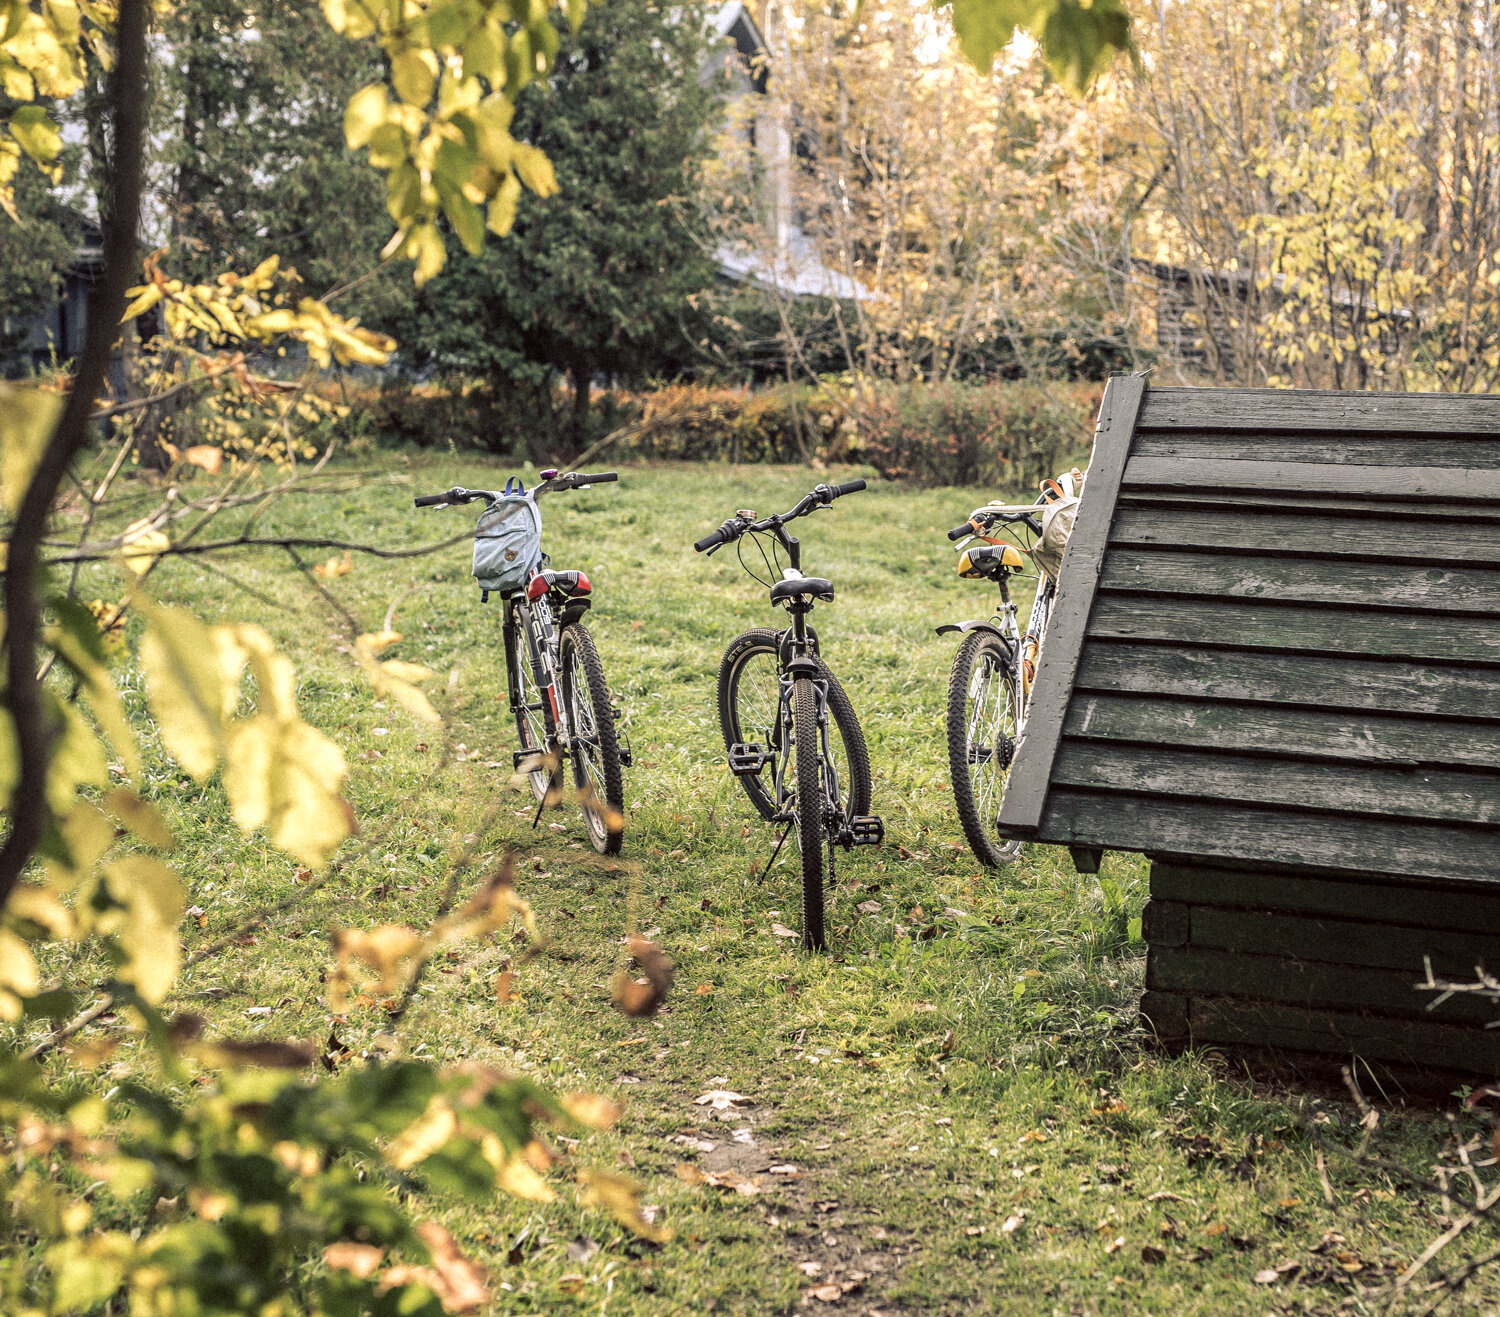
[(23, 608)]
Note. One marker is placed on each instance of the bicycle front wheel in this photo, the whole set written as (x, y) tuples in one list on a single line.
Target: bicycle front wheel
[(984, 715), (594, 745), (531, 722), (812, 837), (750, 713)]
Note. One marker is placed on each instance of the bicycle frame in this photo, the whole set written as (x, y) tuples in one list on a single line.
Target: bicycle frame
[(533, 620)]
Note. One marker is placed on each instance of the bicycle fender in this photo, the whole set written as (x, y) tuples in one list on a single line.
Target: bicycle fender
[(963, 628)]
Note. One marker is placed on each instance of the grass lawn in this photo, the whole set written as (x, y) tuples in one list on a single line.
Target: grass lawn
[(955, 1110)]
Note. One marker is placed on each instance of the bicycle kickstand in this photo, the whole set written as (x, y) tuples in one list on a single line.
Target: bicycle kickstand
[(777, 851)]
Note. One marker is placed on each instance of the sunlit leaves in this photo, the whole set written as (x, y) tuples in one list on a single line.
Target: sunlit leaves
[(1077, 38), (444, 140), (27, 419), (279, 772)]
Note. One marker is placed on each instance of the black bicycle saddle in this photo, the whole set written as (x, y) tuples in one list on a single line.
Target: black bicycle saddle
[(802, 585)]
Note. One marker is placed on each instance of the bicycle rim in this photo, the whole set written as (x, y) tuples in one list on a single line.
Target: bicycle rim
[(983, 727), (592, 741)]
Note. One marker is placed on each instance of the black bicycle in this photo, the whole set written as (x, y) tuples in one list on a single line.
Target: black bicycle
[(558, 694), (776, 696)]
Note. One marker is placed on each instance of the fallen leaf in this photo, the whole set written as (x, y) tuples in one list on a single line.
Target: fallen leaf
[(868, 907), (827, 1293), (703, 989), (781, 930), (689, 1174), (720, 1099), (1150, 1253), (582, 1248), (811, 1268), (1115, 1244), (1165, 1197), (971, 1231), (1012, 1223), (1267, 1277)]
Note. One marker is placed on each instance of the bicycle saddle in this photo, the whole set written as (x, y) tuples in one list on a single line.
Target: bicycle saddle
[(801, 585)]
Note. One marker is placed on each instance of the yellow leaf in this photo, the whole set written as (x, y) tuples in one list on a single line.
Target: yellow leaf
[(414, 75), (592, 1109), (535, 169), (18, 974), (413, 673), (335, 567), (620, 1197), (377, 641), (86, 835), (424, 1136), (146, 938), (77, 756), (143, 546), (27, 419), (208, 457), (425, 246), (140, 816), (184, 689), (39, 137), (367, 111), (40, 906), (515, 1177), (145, 299), (502, 214)]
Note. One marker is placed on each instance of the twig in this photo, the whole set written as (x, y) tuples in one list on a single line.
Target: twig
[(1323, 1180), (323, 590), (273, 542)]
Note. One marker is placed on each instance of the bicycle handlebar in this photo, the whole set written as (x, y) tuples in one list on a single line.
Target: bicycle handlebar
[(553, 484), (821, 497)]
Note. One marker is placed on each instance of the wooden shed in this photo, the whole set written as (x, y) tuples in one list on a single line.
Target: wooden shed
[(1274, 669)]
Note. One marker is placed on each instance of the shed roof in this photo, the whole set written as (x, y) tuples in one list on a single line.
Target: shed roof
[(1277, 639)]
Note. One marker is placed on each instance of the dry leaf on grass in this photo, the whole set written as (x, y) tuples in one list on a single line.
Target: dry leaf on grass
[(1012, 1223), (781, 930), (720, 1099)]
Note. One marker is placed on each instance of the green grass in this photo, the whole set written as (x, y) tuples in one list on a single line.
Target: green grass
[(973, 1112)]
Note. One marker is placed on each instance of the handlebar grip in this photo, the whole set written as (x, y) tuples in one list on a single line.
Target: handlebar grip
[(958, 532), (852, 487), (723, 535), (429, 500), (603, 478)]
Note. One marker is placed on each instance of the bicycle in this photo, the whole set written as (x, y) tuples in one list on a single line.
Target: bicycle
[(989, 690), (775, 698), (558, 693)]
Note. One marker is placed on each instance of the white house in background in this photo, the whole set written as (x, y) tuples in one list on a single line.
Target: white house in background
[(784, 259)]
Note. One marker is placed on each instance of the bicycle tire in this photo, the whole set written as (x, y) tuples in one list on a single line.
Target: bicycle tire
[(812, 837), (982, 657), (597, 769), (531, 727), (762, 642)]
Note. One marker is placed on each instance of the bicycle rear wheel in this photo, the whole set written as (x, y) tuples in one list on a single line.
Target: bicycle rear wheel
[(593, 744), (812, 836), (983, 723), (750, 713)]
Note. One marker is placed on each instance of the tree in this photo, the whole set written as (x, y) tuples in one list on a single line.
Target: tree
[(601, 278), (35, 253)]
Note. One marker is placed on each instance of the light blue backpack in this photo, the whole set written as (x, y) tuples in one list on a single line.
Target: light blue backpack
[(508, 540)]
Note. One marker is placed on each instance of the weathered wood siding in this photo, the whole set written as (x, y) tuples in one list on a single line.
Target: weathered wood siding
[(1278, 645)]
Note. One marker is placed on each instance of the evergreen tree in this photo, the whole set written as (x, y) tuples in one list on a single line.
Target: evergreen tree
[(602, 278)]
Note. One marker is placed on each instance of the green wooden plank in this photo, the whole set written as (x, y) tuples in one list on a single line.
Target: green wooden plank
[(1464, 1049), (1382, 538), (1297, 628), (1441, 907), (1287, 678), (1181, 830), (1026, 784), (1309, 984), (1406, 585), (1474, 484), (1308, 733), (1379, 790), (1286, 409), (1321, 447), (1372, 943)]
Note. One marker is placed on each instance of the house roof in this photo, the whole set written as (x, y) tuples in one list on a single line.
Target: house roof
[(1277, 638), (794, 271), (734, 22)]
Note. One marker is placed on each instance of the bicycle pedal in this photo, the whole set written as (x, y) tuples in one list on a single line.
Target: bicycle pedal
[(866, 830), (747, 760)]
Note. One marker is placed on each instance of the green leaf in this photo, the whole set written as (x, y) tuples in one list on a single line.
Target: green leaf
[(484, 54), (425, 246), (986, 27), (1077, 41), (77, 756), (39, 137), (576, 11), (503, 208), (78, 643), (535, 169), (447, 24), (467, 219), (414, 75), (27, 419)]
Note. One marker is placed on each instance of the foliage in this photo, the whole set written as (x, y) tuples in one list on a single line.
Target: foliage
[(34, 254), (604, 282)]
